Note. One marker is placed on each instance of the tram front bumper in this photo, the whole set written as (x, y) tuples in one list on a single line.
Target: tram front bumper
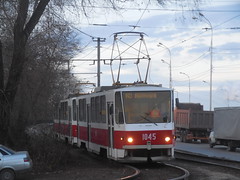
[(143, 153)]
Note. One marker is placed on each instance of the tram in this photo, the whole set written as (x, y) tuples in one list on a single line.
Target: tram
[(125, 123)]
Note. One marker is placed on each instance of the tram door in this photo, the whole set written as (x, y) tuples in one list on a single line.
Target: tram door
[(88, 126), (110, 128)]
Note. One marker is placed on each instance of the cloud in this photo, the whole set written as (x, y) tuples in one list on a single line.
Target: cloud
[(189, 44)]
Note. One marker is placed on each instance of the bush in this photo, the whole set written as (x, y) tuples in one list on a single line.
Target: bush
[(47, 153)]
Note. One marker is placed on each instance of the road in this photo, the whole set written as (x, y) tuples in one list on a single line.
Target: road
[(216, 151)]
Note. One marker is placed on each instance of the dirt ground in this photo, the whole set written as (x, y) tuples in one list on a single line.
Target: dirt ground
[(88, 166)]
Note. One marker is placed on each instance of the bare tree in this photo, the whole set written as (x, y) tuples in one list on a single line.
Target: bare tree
[(20, 34), (23, 27), (23, 23), (43, 71)]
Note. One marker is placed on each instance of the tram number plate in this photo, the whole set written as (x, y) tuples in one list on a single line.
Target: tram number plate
[(149, 136)]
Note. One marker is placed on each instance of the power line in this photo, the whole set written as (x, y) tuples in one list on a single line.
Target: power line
[(183, 41), (82, 31), (214, 27), (154, 27), (165, 10), (194, 61), (142, 15), (228, 66)]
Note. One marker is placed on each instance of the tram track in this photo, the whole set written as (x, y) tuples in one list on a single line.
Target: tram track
[(132, 176), (191, 165), (192, 157), (152, 171), (209, 168), (184, 176)]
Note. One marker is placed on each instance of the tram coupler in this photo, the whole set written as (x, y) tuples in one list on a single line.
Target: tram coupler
[(149, 159), (149, 147)]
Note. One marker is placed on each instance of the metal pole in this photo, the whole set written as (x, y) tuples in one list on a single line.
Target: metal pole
[(211, 68), (99, 40), (189, 96), (98, 62), (170, 64), (170, 72)]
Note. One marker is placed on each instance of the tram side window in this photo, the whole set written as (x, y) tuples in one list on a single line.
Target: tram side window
[(82, 110), (118, 109), (102, 109), (93, 110), (59, 113), (97, 105), (56, 112), (79, 110), (63, 111), (80, 102), (74, 105)]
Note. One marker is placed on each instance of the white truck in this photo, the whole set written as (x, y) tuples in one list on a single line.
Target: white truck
[(226, 128)]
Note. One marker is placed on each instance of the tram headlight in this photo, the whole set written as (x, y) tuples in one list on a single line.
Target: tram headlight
[(167, 139), (130, 139)]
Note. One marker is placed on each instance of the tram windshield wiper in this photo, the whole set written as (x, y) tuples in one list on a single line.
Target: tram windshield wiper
[(145, 118)]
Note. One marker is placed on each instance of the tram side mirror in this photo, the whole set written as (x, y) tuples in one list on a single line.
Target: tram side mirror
[(120, 117), (111, 110)]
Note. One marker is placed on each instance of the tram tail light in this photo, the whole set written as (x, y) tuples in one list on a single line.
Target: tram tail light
[(130, 139), (167, 139)]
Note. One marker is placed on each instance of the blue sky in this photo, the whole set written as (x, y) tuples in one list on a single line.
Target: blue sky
[(186, 38)]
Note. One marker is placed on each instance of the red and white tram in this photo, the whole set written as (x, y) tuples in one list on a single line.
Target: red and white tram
[(130, 123)]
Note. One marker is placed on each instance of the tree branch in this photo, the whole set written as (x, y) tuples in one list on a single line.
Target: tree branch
[(22, 16), (36, 16)]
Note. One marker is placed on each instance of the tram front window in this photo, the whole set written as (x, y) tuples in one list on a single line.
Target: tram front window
[(147, 107)]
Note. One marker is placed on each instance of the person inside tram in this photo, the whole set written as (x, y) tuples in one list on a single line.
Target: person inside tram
[(155, 112)]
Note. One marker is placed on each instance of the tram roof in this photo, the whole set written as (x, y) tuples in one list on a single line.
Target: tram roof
[(131, 87), (125, 87)]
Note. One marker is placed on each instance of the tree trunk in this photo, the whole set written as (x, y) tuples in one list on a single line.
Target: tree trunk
[(1, 70), (22, 30), (4, 119)]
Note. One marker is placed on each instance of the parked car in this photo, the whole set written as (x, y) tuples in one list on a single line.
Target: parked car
[(12, 163)]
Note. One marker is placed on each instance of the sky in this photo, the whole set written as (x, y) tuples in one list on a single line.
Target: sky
[(185, 38)]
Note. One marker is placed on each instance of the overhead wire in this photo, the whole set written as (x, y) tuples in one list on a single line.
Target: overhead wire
[(215, 27), (190, 63), (142, 14), (183, 41), (165, 9), (152, 27), (172, 45)]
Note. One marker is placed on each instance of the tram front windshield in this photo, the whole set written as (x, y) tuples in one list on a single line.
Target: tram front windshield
[(147, 107)]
